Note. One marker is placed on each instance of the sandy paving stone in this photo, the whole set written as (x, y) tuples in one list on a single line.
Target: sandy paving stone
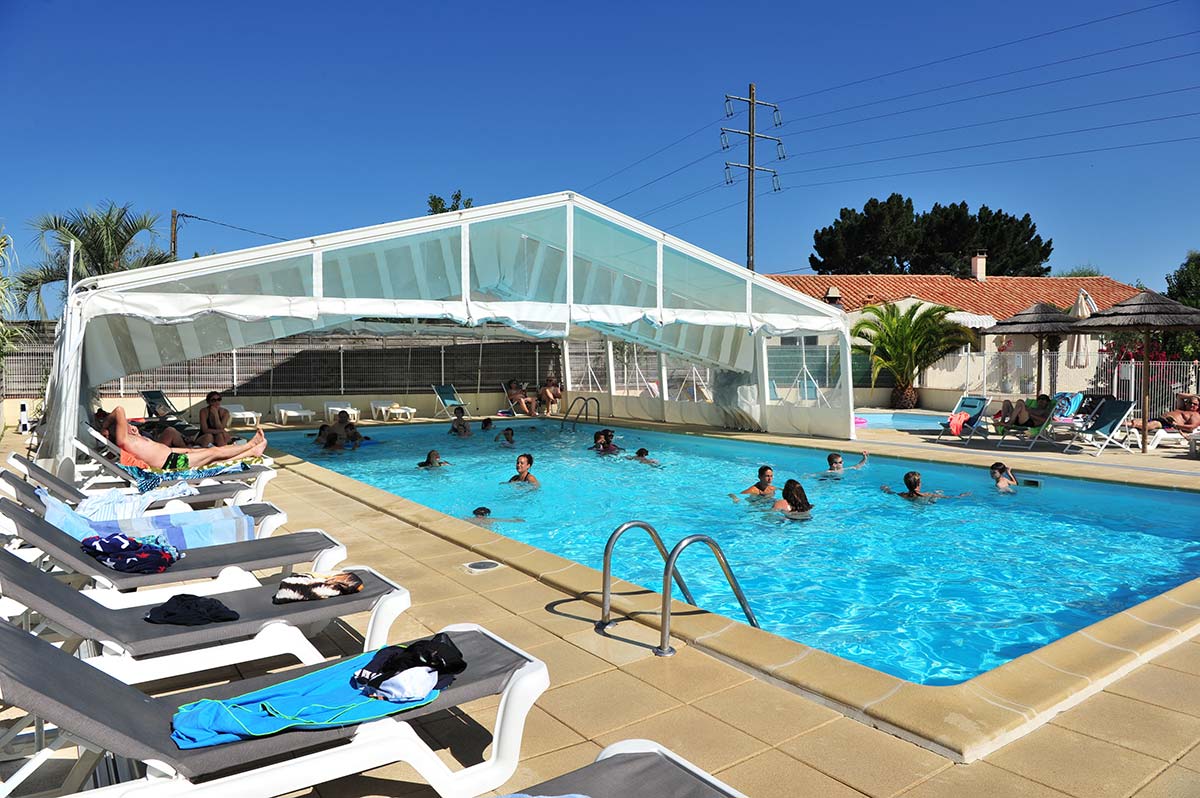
[(1076, 764), (774, 774), (624, 642), (698, 738), (983, 780), (526, 597), (1165, 687), (461, 609), (604, 703), (1184, 658), (1191, 759), (769, 713), (569, 663), (867, 759), (689, 675), (1174, 782), (535, 770), (1147, 728)]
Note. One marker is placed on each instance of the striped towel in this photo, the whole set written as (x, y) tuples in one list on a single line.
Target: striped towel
[(190, 530), (151, 478)]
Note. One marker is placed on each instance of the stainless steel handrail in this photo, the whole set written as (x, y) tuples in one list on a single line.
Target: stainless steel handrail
[(664, 648), (585, 410), (606, 605)]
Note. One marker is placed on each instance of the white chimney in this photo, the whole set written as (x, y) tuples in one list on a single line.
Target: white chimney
[(979, 266)]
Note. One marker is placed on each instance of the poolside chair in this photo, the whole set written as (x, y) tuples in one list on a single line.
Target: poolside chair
[(637, 767), (102, 715), (1026, 437), (255, 476), (976, 423), (286, 410), (1106, 428), (237, 413), (1161, 436), (220, 563), (266, 517), (136, 651), (448, 399), (333, 408)]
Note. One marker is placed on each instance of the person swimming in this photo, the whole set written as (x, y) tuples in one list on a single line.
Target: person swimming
[(643, 456), (487, 424), (609, 435), (506, 437), (433, 460), (333, 443), (837, 465), (482, 516), (765, 485), (524, 463), (1003, 476), (597, 441), (912, 481), (460, 426), (795, 503), (322, 432)]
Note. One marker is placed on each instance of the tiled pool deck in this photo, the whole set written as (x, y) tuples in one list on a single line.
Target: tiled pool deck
[(1138, 736)]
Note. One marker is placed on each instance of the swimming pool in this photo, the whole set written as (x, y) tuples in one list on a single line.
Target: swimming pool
[(909, 421), (934, 594)]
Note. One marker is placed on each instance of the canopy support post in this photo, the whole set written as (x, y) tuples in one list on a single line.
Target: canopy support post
[(662, 384), (612, 375), (568, 383), (1145, 389), (1039, 369)]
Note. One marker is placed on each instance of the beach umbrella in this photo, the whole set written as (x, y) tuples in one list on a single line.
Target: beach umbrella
[(1038, 320), (1077, 345), (1145, 313)]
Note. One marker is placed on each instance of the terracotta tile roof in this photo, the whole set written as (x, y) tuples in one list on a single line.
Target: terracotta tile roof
[(1000, 297)]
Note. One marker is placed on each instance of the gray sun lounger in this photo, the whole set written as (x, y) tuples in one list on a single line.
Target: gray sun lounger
[(65, 491), (636, 768), (115, 472), (266, 516), (284, 551), (136, 650), (101, 714)]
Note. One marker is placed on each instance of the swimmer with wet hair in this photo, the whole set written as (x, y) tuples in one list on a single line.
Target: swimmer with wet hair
[(1003, 476)]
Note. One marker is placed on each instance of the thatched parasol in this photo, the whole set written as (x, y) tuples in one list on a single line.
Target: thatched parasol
[(1145, 313), (1040, 320)]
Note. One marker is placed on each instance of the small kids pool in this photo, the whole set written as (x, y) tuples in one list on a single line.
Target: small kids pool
[(909, 421), (934, 594)]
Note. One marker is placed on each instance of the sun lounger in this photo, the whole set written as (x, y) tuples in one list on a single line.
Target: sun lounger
[(101, 714), (333, 408), (448, 399), (1194, 444), (288, 410), (257, 476), (283, 551), (637, 768), (238, 413), (266, 516), (976, 423), (1106, 428), (386, 410), (136, 651)]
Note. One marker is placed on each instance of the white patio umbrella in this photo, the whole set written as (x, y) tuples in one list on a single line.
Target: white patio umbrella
[(1077, 345)]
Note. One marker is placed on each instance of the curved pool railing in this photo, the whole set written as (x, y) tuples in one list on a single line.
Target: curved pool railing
[(606, 605), (584, 411), (664, 648)]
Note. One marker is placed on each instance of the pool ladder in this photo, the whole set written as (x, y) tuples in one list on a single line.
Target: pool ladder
[(584, 410), (664, 648)]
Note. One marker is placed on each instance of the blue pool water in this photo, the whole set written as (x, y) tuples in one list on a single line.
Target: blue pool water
[(911, 421), (934, 594)]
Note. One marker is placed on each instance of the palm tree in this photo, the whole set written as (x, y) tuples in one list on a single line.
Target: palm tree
[(10, 334), (106, 241), (905, 343)]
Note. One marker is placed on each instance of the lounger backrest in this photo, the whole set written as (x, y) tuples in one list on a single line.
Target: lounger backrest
[(449, 395), (1110, 416), (22, 490), (57, 545), (62, 604), (973, 406), (59, 487), (105, 465), (155, 400), (56, 687)]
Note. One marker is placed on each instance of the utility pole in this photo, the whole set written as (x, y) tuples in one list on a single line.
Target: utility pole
[(174, 233), (751, 136)]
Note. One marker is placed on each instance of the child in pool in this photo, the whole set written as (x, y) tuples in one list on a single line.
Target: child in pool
[(912, 481), (433, 460), (506, 437), (643, 456), (1003, 476)]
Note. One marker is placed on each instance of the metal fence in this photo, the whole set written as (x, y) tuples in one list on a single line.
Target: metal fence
[(317, 365)]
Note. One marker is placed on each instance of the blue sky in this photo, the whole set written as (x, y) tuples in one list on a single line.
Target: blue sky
[(300, 118)]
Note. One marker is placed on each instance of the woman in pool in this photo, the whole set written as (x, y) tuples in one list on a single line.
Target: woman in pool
[(795, 503), (524, 463), (487, 425), (322, 432), (433, 460)]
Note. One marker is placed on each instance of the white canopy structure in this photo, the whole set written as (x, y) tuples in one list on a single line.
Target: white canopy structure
[(555, 266)]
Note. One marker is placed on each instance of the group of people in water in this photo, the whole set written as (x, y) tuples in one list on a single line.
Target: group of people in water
[(342, 434)]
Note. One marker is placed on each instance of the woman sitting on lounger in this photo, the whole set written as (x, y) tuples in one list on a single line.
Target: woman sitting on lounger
[(520, 400), (126, 436)]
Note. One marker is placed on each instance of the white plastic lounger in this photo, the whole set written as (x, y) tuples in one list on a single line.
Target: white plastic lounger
[(448, 399), (250, 418), (333, 408), (1161, 436), (387, 410), (102, 715), (289, 410), (633, 768), (224, 562), (136, 651)]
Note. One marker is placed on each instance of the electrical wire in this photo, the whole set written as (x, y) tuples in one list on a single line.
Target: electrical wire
[(659, 151), (980, 50), (668, 174), (997, 121), (231, 226), (995, 93), (994, 143), (992, 77)]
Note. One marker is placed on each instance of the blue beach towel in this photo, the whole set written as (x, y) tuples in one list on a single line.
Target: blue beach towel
[(322, 699), (150, 478), (188, 530)]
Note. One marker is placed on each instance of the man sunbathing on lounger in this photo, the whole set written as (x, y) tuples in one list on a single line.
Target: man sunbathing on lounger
[(1186, 420), (1023, 414), (126, 436)]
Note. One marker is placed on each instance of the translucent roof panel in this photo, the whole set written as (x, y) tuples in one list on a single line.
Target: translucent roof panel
[(422, 266), (691, 284), (613, 264), (520, 258), (285, 277)]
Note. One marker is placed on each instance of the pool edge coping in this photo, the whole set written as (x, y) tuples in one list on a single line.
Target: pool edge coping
[(962, 722)]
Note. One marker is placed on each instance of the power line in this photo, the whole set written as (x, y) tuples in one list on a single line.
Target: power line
[(665, 176), (994, 77), (684, 198), (995, 143), (1000, 120), (987, 49), (994, 93), (659, 151), (737, 204), (231, 226)]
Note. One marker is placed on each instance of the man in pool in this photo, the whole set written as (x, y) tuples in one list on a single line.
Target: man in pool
[(838, 466), (506, 437), (126, 436), (763, 487), (912, 481)]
